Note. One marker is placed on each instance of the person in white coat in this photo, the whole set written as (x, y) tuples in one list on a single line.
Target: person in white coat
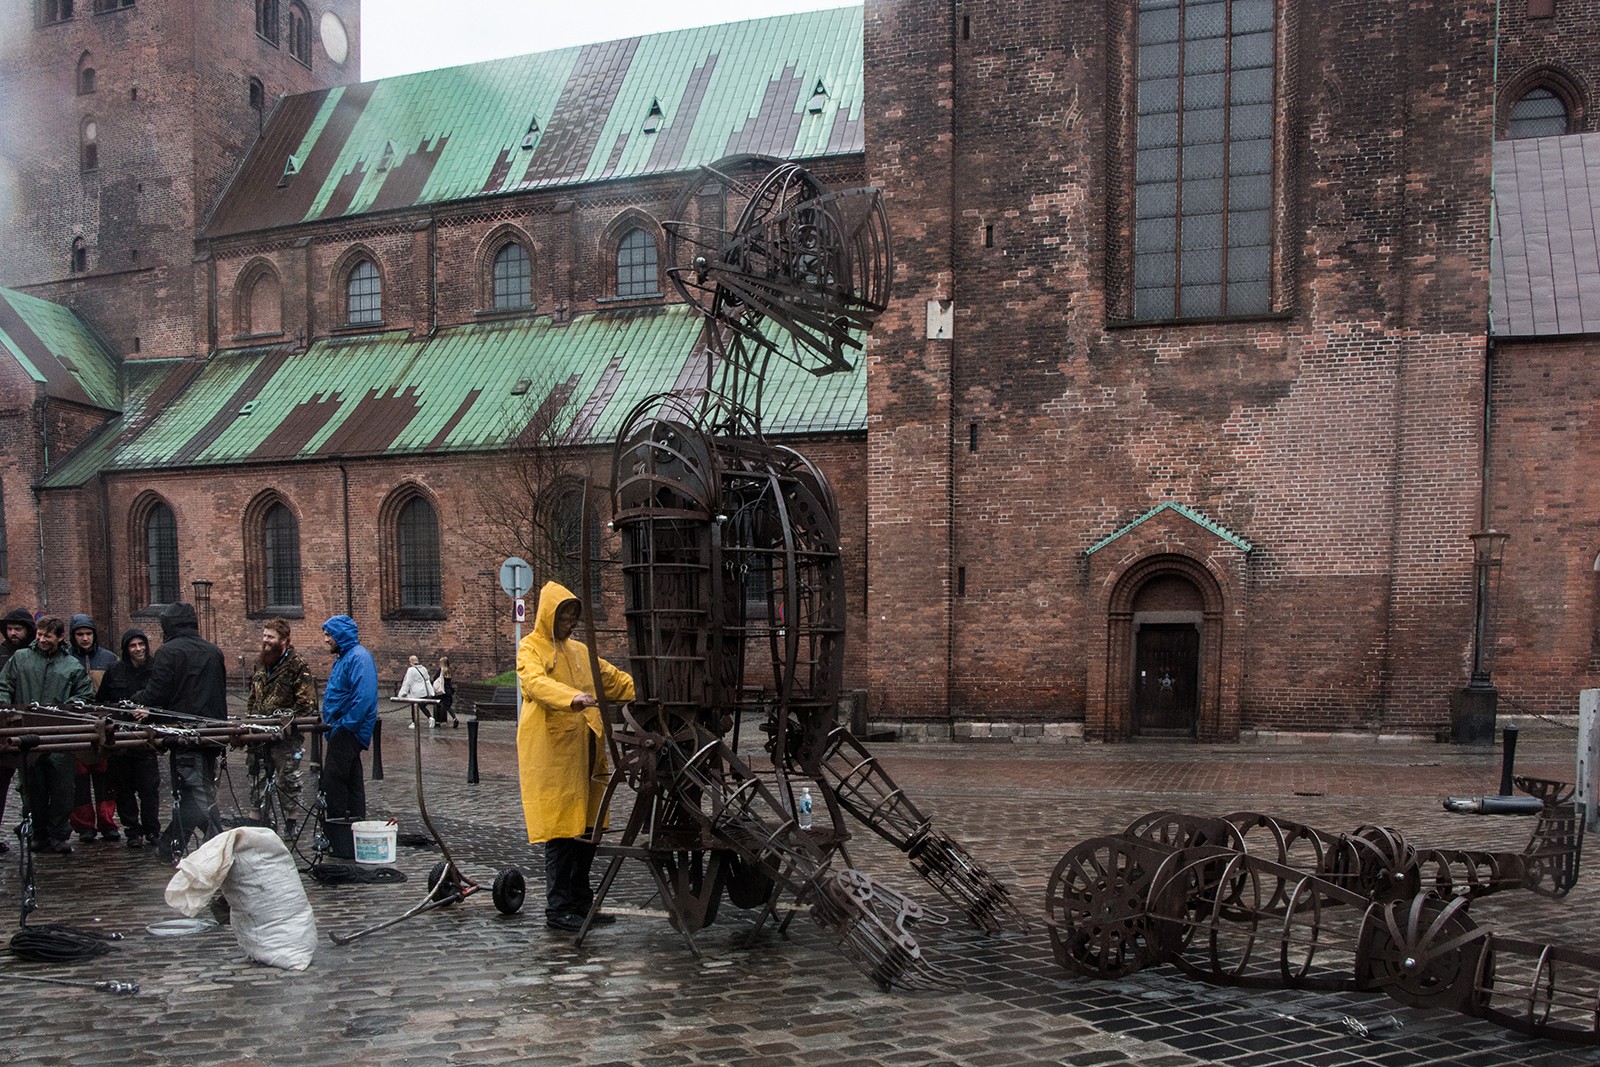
[(416, 686)]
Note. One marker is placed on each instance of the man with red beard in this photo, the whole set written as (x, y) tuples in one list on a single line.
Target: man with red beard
[(281, 684)]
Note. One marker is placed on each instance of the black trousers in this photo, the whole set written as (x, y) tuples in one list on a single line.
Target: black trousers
[(136, 777), (194, 780), (567, 861), (346, 793), (50, 779)]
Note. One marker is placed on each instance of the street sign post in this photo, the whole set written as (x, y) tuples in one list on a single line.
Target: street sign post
[(516, 578)]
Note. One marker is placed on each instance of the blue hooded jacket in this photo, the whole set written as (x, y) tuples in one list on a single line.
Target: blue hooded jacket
[(350, 701)]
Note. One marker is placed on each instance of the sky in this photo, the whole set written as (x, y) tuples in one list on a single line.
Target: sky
[(402, 36)]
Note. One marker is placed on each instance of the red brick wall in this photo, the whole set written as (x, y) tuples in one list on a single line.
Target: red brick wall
[(76, 570), (1340, 436), (172, 110), (436, 269), (48, 549), (909, 155), (477, 631), (75, 573), (20, 464), (1544, 465)]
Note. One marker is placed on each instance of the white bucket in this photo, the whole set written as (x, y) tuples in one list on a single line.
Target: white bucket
[(374, 841)]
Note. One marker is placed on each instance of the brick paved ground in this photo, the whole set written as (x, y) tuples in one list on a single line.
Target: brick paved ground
[(468, 986)]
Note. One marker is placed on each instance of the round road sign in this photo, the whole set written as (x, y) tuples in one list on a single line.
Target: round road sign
[(516, 577)]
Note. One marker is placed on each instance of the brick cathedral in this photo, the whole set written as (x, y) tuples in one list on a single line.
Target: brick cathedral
[(1228, 337)]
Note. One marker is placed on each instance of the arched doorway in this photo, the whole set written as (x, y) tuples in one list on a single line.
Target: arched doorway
[(1178, 579), (1168, 620)]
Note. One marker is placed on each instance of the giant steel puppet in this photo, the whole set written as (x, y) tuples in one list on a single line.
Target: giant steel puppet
[(734, 593)]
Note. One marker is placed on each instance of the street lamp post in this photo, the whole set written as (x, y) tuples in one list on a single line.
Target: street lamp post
[(1488, 548), (1473, 709)]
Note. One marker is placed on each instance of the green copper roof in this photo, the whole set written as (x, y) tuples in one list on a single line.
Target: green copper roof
[(151, 385), (54, 348), (1189, 513), (385, 394), (788, 86)]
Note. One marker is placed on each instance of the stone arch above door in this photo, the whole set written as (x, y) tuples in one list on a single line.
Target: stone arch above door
[(1170, 562), (1167, 620)]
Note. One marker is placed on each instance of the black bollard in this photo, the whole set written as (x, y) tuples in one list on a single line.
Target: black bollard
[(377, 751), (472, 751), (1508, 758), (316, 750)]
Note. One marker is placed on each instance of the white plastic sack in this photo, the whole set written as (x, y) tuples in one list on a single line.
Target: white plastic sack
[(271, 917)]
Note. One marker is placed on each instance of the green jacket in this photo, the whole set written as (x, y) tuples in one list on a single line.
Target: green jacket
[(31, 677), (288, 686)]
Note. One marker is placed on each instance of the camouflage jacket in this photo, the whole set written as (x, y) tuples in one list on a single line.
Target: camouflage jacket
[(287, 686)]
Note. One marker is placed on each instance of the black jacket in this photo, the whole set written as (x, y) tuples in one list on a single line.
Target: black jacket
[(99, 657), (187, 674), (122, 678), (25, 617)]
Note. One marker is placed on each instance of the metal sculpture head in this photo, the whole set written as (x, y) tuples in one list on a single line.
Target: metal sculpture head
[(803, 272)]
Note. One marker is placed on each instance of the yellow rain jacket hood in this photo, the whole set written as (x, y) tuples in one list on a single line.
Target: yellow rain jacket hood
[(561, 755)]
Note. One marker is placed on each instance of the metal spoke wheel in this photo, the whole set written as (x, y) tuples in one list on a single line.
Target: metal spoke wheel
[(1096, 905), (1377, 862), (1423, 952)]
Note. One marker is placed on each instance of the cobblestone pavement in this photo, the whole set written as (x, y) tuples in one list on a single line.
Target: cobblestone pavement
[(465, 985)]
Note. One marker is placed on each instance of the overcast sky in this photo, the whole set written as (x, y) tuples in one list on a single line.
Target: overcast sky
[(402, 36)]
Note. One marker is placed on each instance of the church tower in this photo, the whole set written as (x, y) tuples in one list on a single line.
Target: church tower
[(124, 120)]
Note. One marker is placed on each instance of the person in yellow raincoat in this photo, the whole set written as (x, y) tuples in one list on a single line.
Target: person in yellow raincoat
[(561, 755)]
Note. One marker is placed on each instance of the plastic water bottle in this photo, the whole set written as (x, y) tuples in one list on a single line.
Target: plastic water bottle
[(804, 807)]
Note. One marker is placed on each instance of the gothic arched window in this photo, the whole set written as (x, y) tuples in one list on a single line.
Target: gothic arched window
[(513, 278), (417, 534), (363, 290), (1204, 81), (566, 542), (154, 566), (280, 559), (267, 21), (637, 264), (1539, 112), (409, 555), (299, 34)]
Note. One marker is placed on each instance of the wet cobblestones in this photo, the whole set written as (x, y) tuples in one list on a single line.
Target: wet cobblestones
[(466, 985)]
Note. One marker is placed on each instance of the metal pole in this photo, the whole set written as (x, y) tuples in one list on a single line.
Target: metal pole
[(1508, 757), (1480, 677), (516, 583), (377, 751), (472, 751)]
